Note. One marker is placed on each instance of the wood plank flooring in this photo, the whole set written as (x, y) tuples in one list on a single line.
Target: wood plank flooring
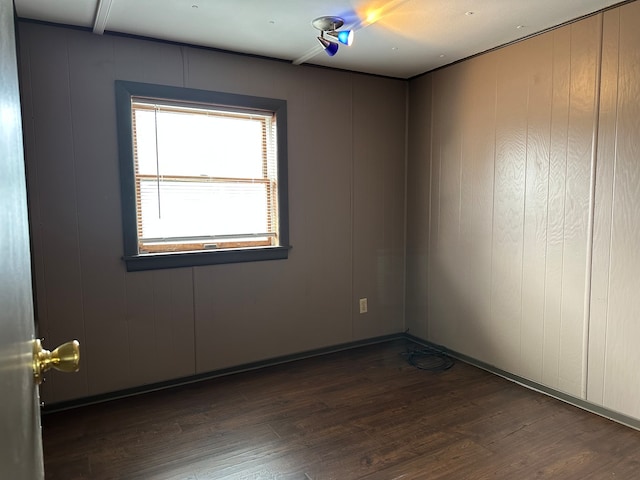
[(358, 414)]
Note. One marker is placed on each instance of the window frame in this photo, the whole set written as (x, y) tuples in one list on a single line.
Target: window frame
[(135, 261)]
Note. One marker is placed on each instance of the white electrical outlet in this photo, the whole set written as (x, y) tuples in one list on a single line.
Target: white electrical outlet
[(363, 305)]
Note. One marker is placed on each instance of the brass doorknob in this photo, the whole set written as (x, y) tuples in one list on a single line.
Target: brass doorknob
[(65, 358)]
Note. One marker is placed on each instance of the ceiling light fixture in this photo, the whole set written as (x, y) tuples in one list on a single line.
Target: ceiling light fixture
[(330, 37), (329, 47)]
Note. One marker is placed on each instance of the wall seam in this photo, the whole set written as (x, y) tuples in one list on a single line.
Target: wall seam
[(564, 212), (351, 214), (613, 196), (85, 363), (493, 190), (524, 220), (406, 203), (547, 200), (195, 320), (430, 207), (590, 227)]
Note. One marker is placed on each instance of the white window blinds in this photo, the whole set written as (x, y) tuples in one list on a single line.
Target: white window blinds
[(205, 177)]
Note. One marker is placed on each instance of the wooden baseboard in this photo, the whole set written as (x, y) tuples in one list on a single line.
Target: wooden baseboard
[(575, 401), (105, 397), (570, 399)]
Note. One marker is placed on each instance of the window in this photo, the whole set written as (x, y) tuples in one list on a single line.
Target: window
[(203, 176)]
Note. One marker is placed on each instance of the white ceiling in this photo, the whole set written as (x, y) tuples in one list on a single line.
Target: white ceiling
[(397, 38)]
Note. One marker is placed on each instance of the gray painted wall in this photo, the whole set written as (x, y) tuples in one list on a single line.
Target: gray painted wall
[(346, 199), (521, 201)]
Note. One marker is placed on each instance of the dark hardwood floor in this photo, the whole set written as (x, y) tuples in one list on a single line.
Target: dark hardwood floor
[(359, 414)]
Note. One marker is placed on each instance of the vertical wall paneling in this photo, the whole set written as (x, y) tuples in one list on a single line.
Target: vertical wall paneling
[(433, 186), (445, 214), (417, 215), (49, 135), (108, 344), (585, 45), (614, 379), (323, 206), (309, 301), (509, 203), (159, 315), (477, 197), (463, 170), (158, 305), (550, 290), (539, 104), (437, 130), (603, 207), (508, 206), (378, 205), (561, 80), (148, 61), (233, 326), (499, 184), (346, 182), (511, 158), (622, 353), (591, 213)]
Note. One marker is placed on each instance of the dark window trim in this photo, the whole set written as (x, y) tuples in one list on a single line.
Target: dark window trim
[(134, 261)]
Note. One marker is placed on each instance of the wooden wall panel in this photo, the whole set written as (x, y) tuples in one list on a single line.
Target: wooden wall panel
[(50, 164), (477, 198), (512, 144), (159, 315), (378, 205), (585, 46), (417, 223), (96, 180), (508, 206), (159, 305), (604, 195), (310, 298), (561, 81), (145, 327), (562, 312), (614, 378), (445, 210), (461, 250), (322, 207), (233, 73), (148, 62), (232, 325), (539, 104), (434, 306)]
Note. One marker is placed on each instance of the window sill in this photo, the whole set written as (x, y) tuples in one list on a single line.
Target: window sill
[(158, 261)]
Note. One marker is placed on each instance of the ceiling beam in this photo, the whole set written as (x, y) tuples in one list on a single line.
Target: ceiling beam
[(102, 15)]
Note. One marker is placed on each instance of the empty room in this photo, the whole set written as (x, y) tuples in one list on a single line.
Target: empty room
[(288, 240)]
